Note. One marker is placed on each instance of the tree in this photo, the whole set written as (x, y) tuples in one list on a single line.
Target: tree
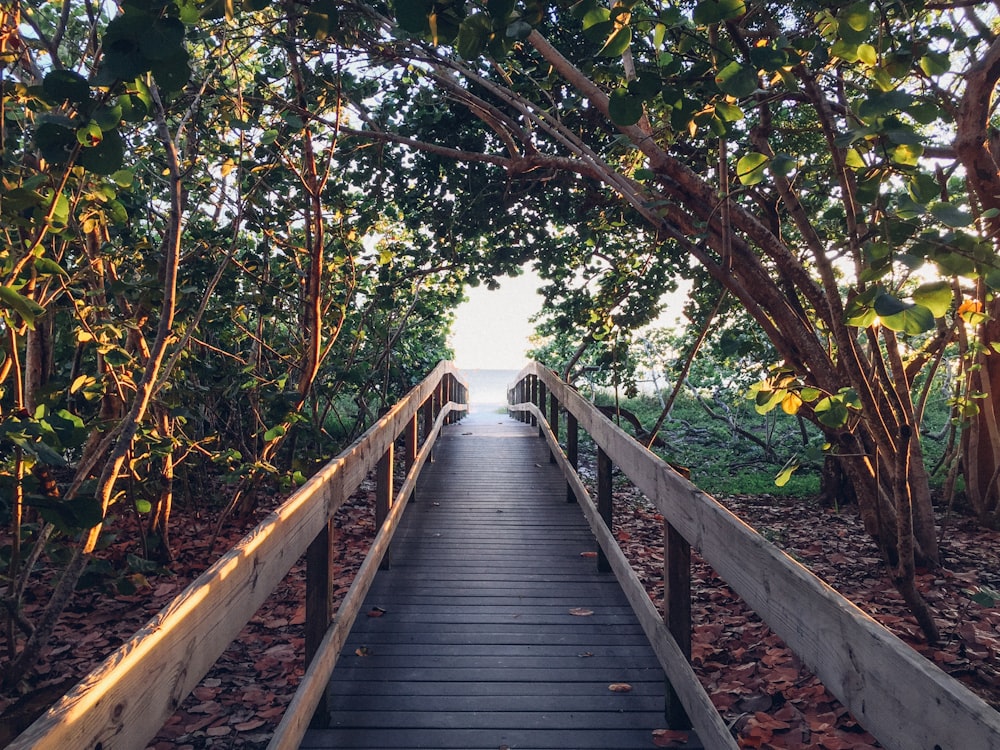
[(193, 271), (788, 150)]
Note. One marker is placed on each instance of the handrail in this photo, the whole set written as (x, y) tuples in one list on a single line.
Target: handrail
[(125, 700), (894, 693)]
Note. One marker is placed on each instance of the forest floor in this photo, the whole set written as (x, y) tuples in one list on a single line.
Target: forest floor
[(769, 699)]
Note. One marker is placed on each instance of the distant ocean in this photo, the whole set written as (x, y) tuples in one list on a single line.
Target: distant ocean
[(488, 388)]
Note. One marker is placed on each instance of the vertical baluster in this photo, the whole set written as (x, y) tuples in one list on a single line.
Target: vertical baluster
[(542, 398), (604, 501), (572, 450), (383, 494), (677, 610), (553, 422), (319, 609)]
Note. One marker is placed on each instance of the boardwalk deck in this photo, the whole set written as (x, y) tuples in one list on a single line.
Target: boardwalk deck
[(478, 646)]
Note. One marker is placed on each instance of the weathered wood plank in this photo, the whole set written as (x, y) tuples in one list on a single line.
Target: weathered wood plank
[(472, 739), (893, 692)]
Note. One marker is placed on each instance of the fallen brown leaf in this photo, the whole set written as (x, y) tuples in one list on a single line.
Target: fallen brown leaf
[(669, 737)]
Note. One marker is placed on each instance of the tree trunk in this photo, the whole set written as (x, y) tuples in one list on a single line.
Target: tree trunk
[(980, 155)]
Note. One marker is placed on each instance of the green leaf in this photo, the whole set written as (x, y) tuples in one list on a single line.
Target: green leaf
[(143, 506), (832, 412), (708, 12), (950, 214), (923, 188), (858, 16), (89, 135), (887, 304), (935, 296), (912, 320), (412, 15), (935, 63), (48, 267), (783, 165), (108, 116), (859, 313), (82, 512), (846, 51), (728, 112), (750, 168), (162, 39), (768, 58), (597, 23), (907, 155), (624, 108), (809, 394), (881, 103), (123, 59), (66, 85), (123, 178), (617, 43), (56, 141), (646, 85), (107, 156), (173, 73), (473, 35), (27, 308), (736, 80), (867, 54), (273, 433)]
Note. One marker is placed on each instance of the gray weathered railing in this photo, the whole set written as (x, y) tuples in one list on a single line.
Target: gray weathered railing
[(124, 702), (898, 696)]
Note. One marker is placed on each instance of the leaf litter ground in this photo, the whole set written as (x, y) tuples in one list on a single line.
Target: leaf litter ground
[(759, 686)]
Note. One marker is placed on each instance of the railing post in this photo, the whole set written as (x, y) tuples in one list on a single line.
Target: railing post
[(542, 398), (553, 422), (428, 412), (677, 610), (383, 494), (604, 501), (410, 435), (319, 607), (533, 396), (572, 450)]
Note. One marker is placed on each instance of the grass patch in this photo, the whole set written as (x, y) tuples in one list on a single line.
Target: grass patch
[(729, 448)]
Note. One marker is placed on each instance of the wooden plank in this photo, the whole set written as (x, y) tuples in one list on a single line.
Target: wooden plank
[(473, 700), (893, 692), (471, 739), (466, 621), (572, 691), (127, 698)]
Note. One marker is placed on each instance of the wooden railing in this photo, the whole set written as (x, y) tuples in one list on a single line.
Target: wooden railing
[(894, 693), (124, 702)]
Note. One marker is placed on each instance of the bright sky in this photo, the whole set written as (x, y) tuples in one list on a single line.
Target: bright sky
[(491, 330)]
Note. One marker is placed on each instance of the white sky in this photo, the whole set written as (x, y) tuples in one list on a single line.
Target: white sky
[(491, 330)]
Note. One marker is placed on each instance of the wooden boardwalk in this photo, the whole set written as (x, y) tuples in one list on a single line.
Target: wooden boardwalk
[(479, 646)]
